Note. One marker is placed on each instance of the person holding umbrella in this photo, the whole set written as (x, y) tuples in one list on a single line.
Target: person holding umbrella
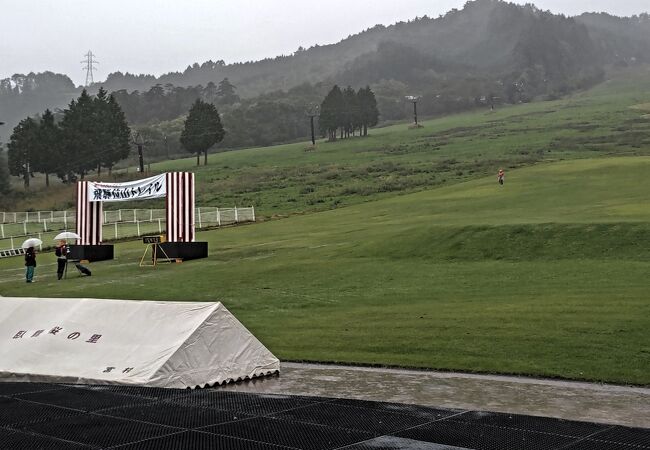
[(61, 252), (30, 257), (30, 263)]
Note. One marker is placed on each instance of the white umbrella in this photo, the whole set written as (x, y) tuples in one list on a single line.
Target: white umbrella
[(66, 235), (32, 242)]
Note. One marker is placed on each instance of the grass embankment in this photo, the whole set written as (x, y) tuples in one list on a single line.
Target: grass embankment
[(545, 276)]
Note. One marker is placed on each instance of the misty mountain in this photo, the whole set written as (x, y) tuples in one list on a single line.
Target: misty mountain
[(487, 35), (619, 39), (488, 49), (26, 95)]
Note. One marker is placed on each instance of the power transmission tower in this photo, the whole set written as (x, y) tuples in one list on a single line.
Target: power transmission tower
[(89, 67)]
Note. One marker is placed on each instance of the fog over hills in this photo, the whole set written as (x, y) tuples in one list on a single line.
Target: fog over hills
[(489, 49)]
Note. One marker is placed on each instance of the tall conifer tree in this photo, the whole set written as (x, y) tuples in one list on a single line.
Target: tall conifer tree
[(46, 158), (330, 112), (202, 129), (369, 113), (22, 145)]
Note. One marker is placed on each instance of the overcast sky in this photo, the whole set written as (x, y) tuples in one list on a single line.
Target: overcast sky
[(158, 36)]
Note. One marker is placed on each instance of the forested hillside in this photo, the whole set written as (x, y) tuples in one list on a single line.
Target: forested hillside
[(487, 37), (489, 52)]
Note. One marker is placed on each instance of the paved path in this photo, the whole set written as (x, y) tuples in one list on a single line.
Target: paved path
[(629, 406)]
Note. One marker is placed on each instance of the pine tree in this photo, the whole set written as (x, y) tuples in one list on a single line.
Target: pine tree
[(331, 112), (22, 145), (5, 187), (102, 137), (369, 113), (47, 147), (351, 111), (226, 92), (113, 132), (210, 92), (79, 135), (94, 134), (202, 129)]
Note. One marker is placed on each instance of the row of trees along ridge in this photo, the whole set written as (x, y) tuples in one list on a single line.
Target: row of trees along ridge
[(348, 111), (92, 133)]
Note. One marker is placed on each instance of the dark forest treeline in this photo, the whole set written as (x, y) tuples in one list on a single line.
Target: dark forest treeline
[(267, 119), (90, 134)]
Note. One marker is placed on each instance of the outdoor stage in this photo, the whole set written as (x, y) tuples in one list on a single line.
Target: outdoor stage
[(47, 416)]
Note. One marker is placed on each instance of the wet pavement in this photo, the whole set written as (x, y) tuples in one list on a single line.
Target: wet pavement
[(590, 402)]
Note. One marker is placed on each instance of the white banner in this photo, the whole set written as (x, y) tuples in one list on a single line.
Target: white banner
[(153, 187)]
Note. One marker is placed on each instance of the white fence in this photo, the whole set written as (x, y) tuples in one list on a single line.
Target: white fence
[(118, 224), (61, 217), (36, 216)]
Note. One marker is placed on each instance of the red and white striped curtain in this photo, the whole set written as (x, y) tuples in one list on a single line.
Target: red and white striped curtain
[(90, 217), (180, 207), (179, 203)]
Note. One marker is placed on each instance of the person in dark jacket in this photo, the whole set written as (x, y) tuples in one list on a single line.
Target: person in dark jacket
[(30, 264), (61, 252)]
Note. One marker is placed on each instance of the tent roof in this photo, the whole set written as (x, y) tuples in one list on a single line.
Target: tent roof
[(165, 344)]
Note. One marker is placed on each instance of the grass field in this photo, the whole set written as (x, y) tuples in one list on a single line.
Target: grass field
[(287, 179), (544, 276), (430, 263)]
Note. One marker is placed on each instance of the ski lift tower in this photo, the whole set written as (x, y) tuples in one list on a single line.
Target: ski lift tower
[(138, 141), (313, 110), (414, 99)]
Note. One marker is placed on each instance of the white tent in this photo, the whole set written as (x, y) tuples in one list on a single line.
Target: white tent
[(145, 343)]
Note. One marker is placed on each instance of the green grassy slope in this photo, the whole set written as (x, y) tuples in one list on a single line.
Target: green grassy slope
[(544, 276), (287, 179)]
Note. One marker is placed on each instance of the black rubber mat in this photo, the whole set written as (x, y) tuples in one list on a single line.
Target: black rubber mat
[(177, 415), (374, 421), (100, 431), (196, 440), (290, 434), (530, 423), (15, 413), (81, 399), (477, 436), (17, 440), (60, 417), (255, 405)]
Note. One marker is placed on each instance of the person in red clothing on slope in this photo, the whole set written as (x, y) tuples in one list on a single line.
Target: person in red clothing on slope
[(501, 176)]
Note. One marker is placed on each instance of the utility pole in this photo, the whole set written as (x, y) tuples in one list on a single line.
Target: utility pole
[(313, 111), (27, 173), (89, 67), (141, 158), (138, 141)]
